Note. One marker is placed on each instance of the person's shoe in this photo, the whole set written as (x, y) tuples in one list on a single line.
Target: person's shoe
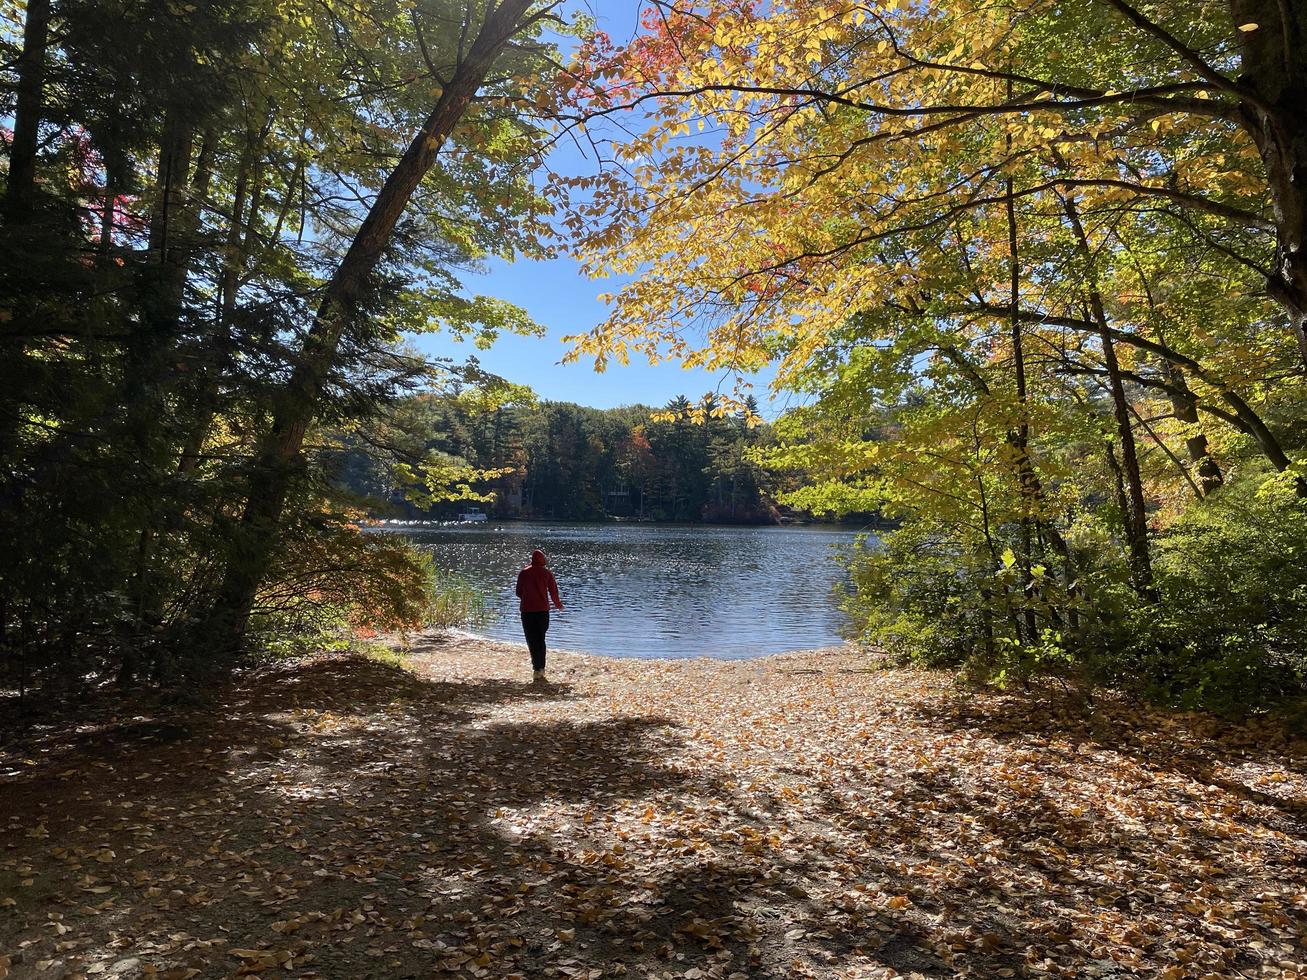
[(539, 677)]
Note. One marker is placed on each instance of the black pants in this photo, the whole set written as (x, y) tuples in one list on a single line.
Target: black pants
[(535, 625)]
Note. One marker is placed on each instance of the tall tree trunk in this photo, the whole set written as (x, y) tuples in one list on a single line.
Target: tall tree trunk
[(1274, 62), (108, 204), (20, 192), (220, 346), (161, 283), (1135, 516), (172, 231), (172, 244), (1118, 478), (18, 203), (278, 462), (1019, 437)]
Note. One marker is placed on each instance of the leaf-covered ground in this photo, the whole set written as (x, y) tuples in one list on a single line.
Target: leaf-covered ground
[(799, 816)]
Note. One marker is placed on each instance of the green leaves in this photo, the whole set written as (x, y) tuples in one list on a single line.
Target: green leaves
[(440, 477)]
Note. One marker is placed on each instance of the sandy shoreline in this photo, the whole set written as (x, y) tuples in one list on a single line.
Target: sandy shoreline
[(450, 639), (490, 644)]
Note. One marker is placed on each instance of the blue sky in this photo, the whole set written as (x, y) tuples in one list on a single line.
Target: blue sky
[(560, 298), (564, 301)]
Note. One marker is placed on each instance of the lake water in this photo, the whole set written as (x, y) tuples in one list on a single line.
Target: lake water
[(657, 590)]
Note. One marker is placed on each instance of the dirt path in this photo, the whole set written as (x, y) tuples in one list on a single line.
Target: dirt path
[(799, 816)]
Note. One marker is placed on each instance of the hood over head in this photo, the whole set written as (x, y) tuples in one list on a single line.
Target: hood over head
[(538, 558)]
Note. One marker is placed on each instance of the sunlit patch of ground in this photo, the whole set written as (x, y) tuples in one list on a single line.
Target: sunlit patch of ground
[(798, 816)]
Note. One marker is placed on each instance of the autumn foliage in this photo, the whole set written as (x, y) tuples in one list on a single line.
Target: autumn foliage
[(1031, 270), (212, 241)]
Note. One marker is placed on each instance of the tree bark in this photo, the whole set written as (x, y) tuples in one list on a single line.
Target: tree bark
[(162, 279), (19, 201), (172, 243), (20, 192), (220, 346), (1186, 410), (1135, 516), (1019, 437), (278, 461), (1274, 62)]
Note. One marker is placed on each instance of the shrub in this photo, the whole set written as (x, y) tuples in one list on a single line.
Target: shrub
[(1226, 632), (1230, 630), (335, 582), (930, 598)]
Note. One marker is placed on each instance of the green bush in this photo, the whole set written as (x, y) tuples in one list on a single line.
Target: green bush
[(335, 584), (1227, 631), (1230, 631), (929, 598)]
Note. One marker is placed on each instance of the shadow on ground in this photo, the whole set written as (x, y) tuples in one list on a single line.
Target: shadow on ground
[(350, 819)]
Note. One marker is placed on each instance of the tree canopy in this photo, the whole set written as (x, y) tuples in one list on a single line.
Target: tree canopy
[(219, 221), (1032, 266), (1033, 276)]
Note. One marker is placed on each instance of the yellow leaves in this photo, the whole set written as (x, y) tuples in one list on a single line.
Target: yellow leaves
[(829, 32)]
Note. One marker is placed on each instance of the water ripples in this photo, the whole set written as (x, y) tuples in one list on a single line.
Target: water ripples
[(642, 590)]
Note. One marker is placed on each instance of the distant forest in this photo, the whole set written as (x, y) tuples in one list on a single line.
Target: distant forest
[(562, 461)]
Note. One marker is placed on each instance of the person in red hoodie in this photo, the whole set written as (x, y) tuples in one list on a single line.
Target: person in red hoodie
[(535, 587)]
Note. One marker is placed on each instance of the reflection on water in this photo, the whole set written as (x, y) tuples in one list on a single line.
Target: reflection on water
[(643, 590)]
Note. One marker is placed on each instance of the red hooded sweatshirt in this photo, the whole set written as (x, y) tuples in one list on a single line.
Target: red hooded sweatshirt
[(536, 585)]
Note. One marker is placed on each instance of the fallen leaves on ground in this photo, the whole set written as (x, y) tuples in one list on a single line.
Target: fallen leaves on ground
[(797, 816)]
